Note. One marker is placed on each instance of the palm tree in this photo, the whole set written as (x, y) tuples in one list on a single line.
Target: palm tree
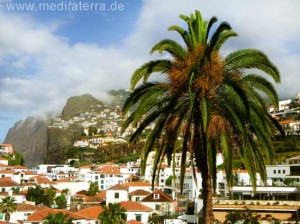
[(113, 214), (58, 218), (8, 206), (211, 100)]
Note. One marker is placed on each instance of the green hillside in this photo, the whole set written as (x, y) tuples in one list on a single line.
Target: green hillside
[(79, 104)]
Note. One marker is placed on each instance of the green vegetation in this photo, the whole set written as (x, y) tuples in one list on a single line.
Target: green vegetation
[(14, 159), (114, 152), (8, 205), (59, 141), (93, 189), (169, 181), (247, 216), (215, 101), (113, 214), (41, 195), (58, 218), (61, 201), (79, 104)]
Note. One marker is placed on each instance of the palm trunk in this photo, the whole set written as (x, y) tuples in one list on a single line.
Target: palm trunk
[(207, 194), (202, 163)]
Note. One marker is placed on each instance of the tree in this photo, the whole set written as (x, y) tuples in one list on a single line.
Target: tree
[(8, 206), (169, 181), (93, 189), (210, 100), (35, 194), (41, 195), (49, 195), (112, 214), (246, 216), (58, 218), (61, 201)]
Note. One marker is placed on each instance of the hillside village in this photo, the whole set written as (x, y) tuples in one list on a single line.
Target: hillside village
[(69, 189)]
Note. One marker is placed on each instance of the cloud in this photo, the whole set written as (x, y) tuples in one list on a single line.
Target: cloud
[(45, 69), (268, 26), (40, 69)]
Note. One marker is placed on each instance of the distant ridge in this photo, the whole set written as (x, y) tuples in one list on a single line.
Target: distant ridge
[(79, 104)]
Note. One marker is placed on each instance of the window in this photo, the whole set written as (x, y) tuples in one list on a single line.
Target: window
[(274, 171), (156, 196), (283, 171), (96, 177), (138, 217), (102, 181), (137, 199), (117, 195), (279, 171)]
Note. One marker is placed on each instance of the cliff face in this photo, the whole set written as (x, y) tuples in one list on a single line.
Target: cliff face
[(29, 138), (39, 143), (59, 140)]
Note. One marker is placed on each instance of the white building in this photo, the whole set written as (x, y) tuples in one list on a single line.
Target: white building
[(107, 176), (52, 170), (136, 211), (284, 104)]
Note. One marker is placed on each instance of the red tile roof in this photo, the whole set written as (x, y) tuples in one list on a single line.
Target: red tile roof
[(95, 199), (101, 194), (29, 207), (286, 121), (91, 212), (20, 167), (112, 170), (7, 182), (118, 187), (42, 180), (40, 215), (140, 192), (125, 186), (81, 196), (162, 197), (134, 206), (137, 184), (30, 173), (7, 171)]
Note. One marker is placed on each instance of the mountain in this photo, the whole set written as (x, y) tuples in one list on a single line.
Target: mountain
[(79, 104), (38, 142), (29, 138)]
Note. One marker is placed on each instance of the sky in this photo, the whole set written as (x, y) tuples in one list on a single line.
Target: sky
[(52, 49)]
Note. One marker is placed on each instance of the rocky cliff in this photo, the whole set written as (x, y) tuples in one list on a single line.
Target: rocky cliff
[(39, 142)]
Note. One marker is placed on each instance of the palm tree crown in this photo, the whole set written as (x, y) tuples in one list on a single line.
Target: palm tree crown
[(8, 206), (211, 100)]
